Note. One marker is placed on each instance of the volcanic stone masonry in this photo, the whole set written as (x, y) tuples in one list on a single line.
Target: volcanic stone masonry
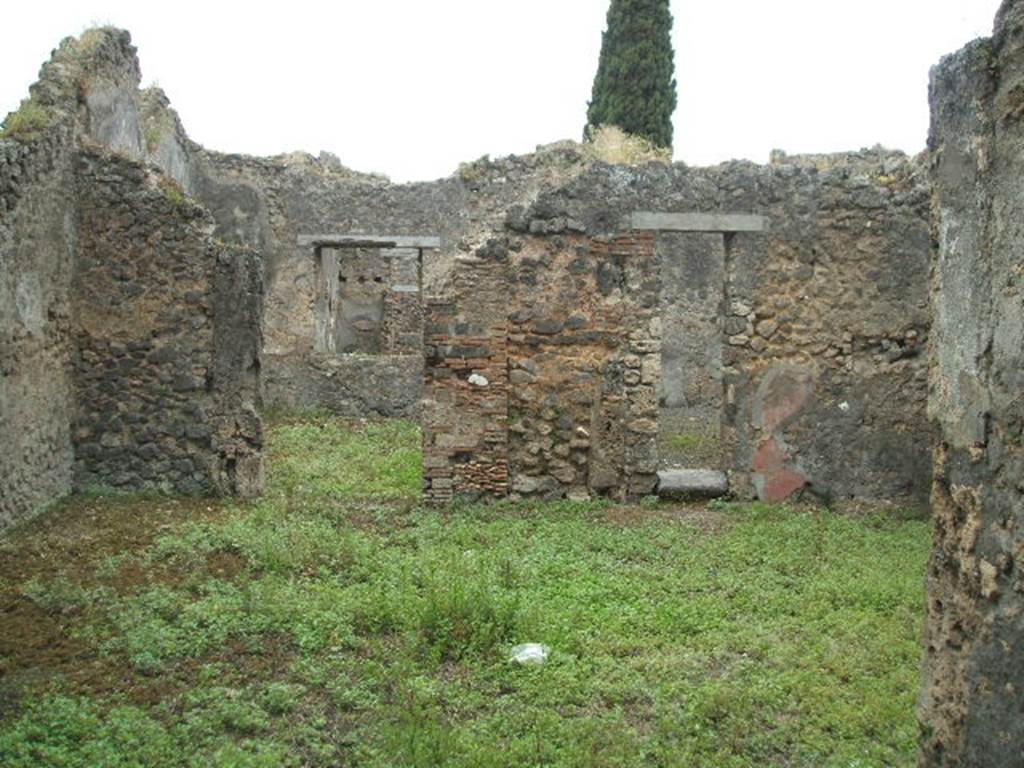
[(167, 339), (129, 337), (809, 335), (37, 224), (791, 357), (270, 203), (972, 701)]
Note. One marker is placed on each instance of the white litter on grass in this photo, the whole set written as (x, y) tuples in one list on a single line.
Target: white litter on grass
[(844, 406), (529, 653)]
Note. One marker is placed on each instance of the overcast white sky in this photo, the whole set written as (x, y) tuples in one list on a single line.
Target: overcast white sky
[(411, 88)]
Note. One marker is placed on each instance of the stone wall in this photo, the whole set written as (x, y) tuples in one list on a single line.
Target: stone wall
[(352, 385), (584, 355), (825, 321), (146, 312), (820, 320), (268, 203), (970, 710), (129, 338), (793, 354), (543, 365), (835, 295), (37, 241), (465, 395)]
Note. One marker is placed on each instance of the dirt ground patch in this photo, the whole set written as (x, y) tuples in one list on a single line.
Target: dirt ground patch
[(91, 529)]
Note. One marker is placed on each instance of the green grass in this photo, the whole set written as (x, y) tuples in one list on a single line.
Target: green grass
[(27, 123), (336, 622), (173, 193), (695, 444), (689, 442)]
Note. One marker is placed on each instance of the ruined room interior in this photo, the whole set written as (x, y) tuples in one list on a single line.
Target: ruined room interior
[(819, 330)]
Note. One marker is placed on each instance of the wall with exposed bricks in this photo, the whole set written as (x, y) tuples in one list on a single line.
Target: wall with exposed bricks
[(542, 374)]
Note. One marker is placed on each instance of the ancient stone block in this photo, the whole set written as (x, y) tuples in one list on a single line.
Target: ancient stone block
[(692, 483)]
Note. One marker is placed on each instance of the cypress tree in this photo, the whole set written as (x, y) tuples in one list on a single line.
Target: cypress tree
[(635, 86)]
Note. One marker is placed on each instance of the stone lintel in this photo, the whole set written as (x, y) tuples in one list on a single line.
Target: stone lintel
[(421, 242), (653, 221)]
